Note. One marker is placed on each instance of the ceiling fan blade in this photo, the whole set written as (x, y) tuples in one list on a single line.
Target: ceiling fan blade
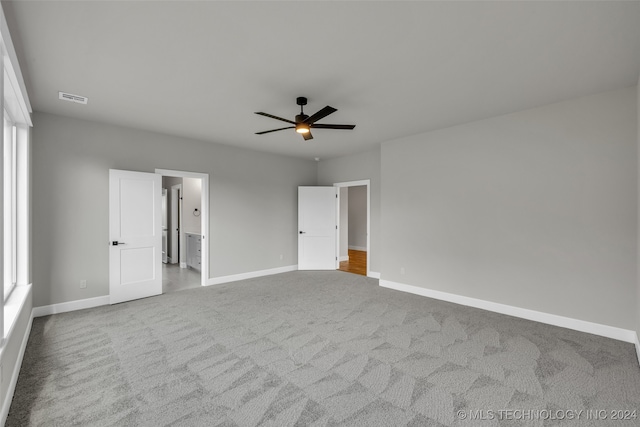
[(320, 114), (327, 126), (275, 117), (307, 136), (274, 130)]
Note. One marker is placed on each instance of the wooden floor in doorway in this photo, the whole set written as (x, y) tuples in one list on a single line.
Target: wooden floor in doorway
[(357, 263)]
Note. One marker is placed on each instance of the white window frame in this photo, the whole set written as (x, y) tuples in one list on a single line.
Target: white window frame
[(10, 206), (14, 100)]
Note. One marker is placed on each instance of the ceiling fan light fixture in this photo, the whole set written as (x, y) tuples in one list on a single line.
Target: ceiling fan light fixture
[(302, 128)]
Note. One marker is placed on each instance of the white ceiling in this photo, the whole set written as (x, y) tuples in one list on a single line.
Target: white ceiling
[(201, 69)]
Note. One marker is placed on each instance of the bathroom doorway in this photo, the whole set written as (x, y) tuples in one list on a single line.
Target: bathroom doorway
[(185, 254)]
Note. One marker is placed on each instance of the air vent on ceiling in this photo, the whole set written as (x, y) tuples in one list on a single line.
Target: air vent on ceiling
[(72, 98)]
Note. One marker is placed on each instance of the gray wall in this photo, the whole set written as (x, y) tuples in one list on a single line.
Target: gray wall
[(365, 165), (191, 199), (535, 209), (358, 217), (253, 201)]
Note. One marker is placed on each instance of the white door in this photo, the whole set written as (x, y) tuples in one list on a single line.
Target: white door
[(135, 235), (317, 228)]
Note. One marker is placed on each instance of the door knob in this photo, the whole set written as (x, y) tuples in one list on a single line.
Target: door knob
[(116, 243), (302, 232)]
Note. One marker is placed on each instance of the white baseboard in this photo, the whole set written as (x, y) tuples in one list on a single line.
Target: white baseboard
[(358, 248), (344, 258), (251, 275), (6, 403), (104, 300), (374, 275), (64, 307), (638, 348), (538, 316)]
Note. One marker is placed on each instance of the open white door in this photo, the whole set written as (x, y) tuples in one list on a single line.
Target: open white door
[(317, 228), (135, 235)]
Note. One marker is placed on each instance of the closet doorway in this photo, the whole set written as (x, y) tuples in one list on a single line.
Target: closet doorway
[(353, 215)]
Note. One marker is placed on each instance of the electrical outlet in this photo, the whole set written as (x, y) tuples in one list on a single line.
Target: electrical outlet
[(401, 270), (83, 284)]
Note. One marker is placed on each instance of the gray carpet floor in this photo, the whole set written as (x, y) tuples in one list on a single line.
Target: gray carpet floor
[(316, 349)]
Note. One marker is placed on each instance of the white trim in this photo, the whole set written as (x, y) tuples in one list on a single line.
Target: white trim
[(6, 404), (251, 275), (374, 275), (64, 307), (367, 183), (204, 216), (12, 308), (538, 316), (20, 98), (177, 242), (343, 258), (339, 226), (23, 204), (357, 248), (352, 183), (638, 347)]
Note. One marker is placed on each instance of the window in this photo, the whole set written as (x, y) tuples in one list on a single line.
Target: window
[(10, 179), (14, 185)]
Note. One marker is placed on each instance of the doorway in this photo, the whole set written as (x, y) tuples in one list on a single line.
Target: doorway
[(188, 229), (353, 214)]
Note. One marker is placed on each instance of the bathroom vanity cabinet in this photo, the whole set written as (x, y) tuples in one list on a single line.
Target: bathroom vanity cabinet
[(194, 245)]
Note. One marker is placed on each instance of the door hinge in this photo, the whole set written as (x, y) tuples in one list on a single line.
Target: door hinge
[(336, 258)]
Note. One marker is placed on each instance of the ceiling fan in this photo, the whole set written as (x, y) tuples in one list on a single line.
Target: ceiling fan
[(303, 123)]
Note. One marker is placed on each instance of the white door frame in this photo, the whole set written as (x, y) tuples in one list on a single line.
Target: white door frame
[(204, 215), (165, 227), (176, 212), (367, 183)]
